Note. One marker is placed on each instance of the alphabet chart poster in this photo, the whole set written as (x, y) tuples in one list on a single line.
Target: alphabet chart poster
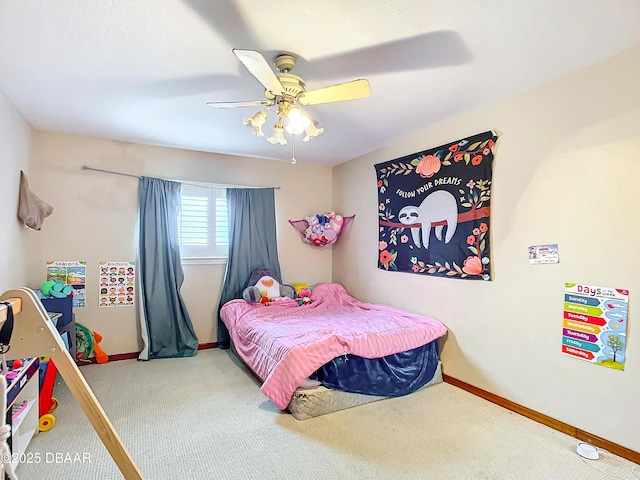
[(117, 284), (594, 327)]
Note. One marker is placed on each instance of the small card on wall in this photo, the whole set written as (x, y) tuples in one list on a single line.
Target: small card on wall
[(117, 284), (543, 253)]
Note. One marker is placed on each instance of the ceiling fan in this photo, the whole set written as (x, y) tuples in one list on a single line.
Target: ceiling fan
[(287, 92)]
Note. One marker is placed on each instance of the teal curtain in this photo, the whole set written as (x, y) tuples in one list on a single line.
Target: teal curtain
[(252, 244), (165, 325)]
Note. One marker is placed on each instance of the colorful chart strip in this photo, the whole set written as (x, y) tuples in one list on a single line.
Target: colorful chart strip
[(585, 318), (572, 307), (576, 352), (567, 332), (580, 300), (580, 344), (582, 327)]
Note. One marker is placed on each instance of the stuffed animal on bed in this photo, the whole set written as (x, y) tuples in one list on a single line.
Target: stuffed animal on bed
[(303, 293), (266, 289), (264, 299)]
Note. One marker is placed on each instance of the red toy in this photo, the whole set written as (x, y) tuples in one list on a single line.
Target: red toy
[(101, 357), (264, 300), (47, 402)]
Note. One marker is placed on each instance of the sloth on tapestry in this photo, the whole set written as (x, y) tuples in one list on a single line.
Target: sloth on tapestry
[(433, 210)]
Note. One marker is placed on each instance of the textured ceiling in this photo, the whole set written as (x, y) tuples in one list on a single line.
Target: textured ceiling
[(142, 71)]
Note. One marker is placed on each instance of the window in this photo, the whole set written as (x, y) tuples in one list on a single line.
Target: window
[(203, 222)]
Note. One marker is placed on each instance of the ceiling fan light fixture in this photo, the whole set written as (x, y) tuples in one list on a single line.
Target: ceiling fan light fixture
[(256, 123), (278, 135), (285, 91), (312, 132), (298, 122)]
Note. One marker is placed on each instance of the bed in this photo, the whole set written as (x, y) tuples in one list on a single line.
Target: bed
[(347, 351)]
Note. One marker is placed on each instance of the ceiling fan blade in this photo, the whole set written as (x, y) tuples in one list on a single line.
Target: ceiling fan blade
[(444, 48), (259, 68), (343, 91), (253, 103), (227, 19)]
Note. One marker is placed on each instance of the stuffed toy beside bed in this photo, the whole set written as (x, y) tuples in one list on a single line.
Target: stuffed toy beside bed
[(263, 288)]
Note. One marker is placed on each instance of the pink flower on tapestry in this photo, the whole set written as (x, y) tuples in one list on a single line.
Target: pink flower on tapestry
[(472, 266), (471, 239), (404, 239), (385, 257), (382, 245), (428, 166)]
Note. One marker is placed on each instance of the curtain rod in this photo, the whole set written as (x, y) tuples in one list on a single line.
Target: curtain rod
[(195, 184)]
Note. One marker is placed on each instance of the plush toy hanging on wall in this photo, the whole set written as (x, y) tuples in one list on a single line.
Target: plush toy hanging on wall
[(321, 229)]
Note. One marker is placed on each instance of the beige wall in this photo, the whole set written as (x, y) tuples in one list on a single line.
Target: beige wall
[(566, 171), (17, 242), (95, 219)]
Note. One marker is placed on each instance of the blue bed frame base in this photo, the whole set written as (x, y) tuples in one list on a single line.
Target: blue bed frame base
[(321, 400)]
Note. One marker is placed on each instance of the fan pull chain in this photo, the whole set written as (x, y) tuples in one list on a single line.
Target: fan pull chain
[(293, 149)]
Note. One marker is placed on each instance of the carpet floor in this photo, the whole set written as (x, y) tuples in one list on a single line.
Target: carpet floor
[(205, 417)]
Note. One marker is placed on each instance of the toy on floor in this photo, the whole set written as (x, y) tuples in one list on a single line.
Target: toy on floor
[(87, 343), (101, 357), (47, 403)]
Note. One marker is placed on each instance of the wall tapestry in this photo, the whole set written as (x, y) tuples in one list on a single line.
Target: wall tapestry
[(433, 210)]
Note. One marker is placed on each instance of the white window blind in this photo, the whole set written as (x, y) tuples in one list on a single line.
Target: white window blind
[(203, 222)]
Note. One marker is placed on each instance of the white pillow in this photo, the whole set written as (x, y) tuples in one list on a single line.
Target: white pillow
[(269, 285)]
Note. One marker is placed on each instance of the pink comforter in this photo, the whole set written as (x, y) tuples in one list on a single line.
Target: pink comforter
[(284, 343)]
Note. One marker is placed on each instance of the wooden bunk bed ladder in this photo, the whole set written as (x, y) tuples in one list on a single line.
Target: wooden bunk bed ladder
[(35, 336)]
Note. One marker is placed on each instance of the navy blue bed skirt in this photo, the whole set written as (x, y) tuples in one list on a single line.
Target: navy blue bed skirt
[(391, 376)]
